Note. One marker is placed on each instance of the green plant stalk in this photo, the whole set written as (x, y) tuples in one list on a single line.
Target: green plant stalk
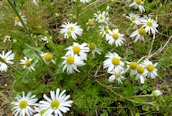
[(30, 36), (36, 51), (26, 29)]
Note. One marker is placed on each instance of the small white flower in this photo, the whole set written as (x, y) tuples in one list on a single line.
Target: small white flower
[(85, 1), (70, 29), (151, 70), (27, 63), (104, 30), (7, 37), (90, 23), (57, 104), (80, 50), (101, 17), (156, 93), (113, 62), (139, 33), (47, 57), (18, 22), (71, 62), (7, 58), (35, 2), (23, 105), (44, 39), (115, 37), (116, 75), (135, 18), (40, 111), (108, 8), (141, 74), (149, 24), (94, 49), (132, 66), (138, 5)]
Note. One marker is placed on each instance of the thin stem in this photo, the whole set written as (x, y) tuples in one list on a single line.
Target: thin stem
[(26, 29), (148, 103), (1, 60)]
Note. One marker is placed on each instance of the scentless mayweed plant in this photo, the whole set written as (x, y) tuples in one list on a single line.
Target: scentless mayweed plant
[(85, 57)]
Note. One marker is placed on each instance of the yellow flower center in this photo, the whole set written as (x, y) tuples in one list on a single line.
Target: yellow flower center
[(70, 60), (149, 23), (133, 18), (138, 1), (17, 19), (71, 28), (142, 31), (90, 23), (117, 75), (4, 59), (150, 67), (116, 61), (115, 36), (101, 17), (23, 104), (133, 65), (28, 63), (107, 30), (42, 112), (48, 57), (55, 104), (140, 69), (76, 49), (69, 33), (92, 46)]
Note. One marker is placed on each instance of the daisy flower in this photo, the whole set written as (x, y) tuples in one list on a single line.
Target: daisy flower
[(132, 66), (7, 37), (35, 2), (134, 18), (84, 1), (94, 49), (90, 23), (44, 39), (57, 104), (40, 111), (71, 62), (115, 37), (139, 33), (7, 58), (104, 30), (113, 62), (27, 63), (156, 93), (116, 75), (70, 29), (141, 73), (23, 105), (149, 24), (138, 5), (150, 68), (101, 17), (80, 50), (18, 22), (47, 57)]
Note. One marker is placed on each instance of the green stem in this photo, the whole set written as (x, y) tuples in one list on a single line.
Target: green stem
[(1, 60), (26, 29)]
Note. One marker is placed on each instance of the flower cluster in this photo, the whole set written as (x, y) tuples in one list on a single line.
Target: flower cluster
[(117, 68), (57, 104), (76, 55)]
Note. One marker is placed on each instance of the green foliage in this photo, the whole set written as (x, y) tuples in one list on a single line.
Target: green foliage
[(91, 92)]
